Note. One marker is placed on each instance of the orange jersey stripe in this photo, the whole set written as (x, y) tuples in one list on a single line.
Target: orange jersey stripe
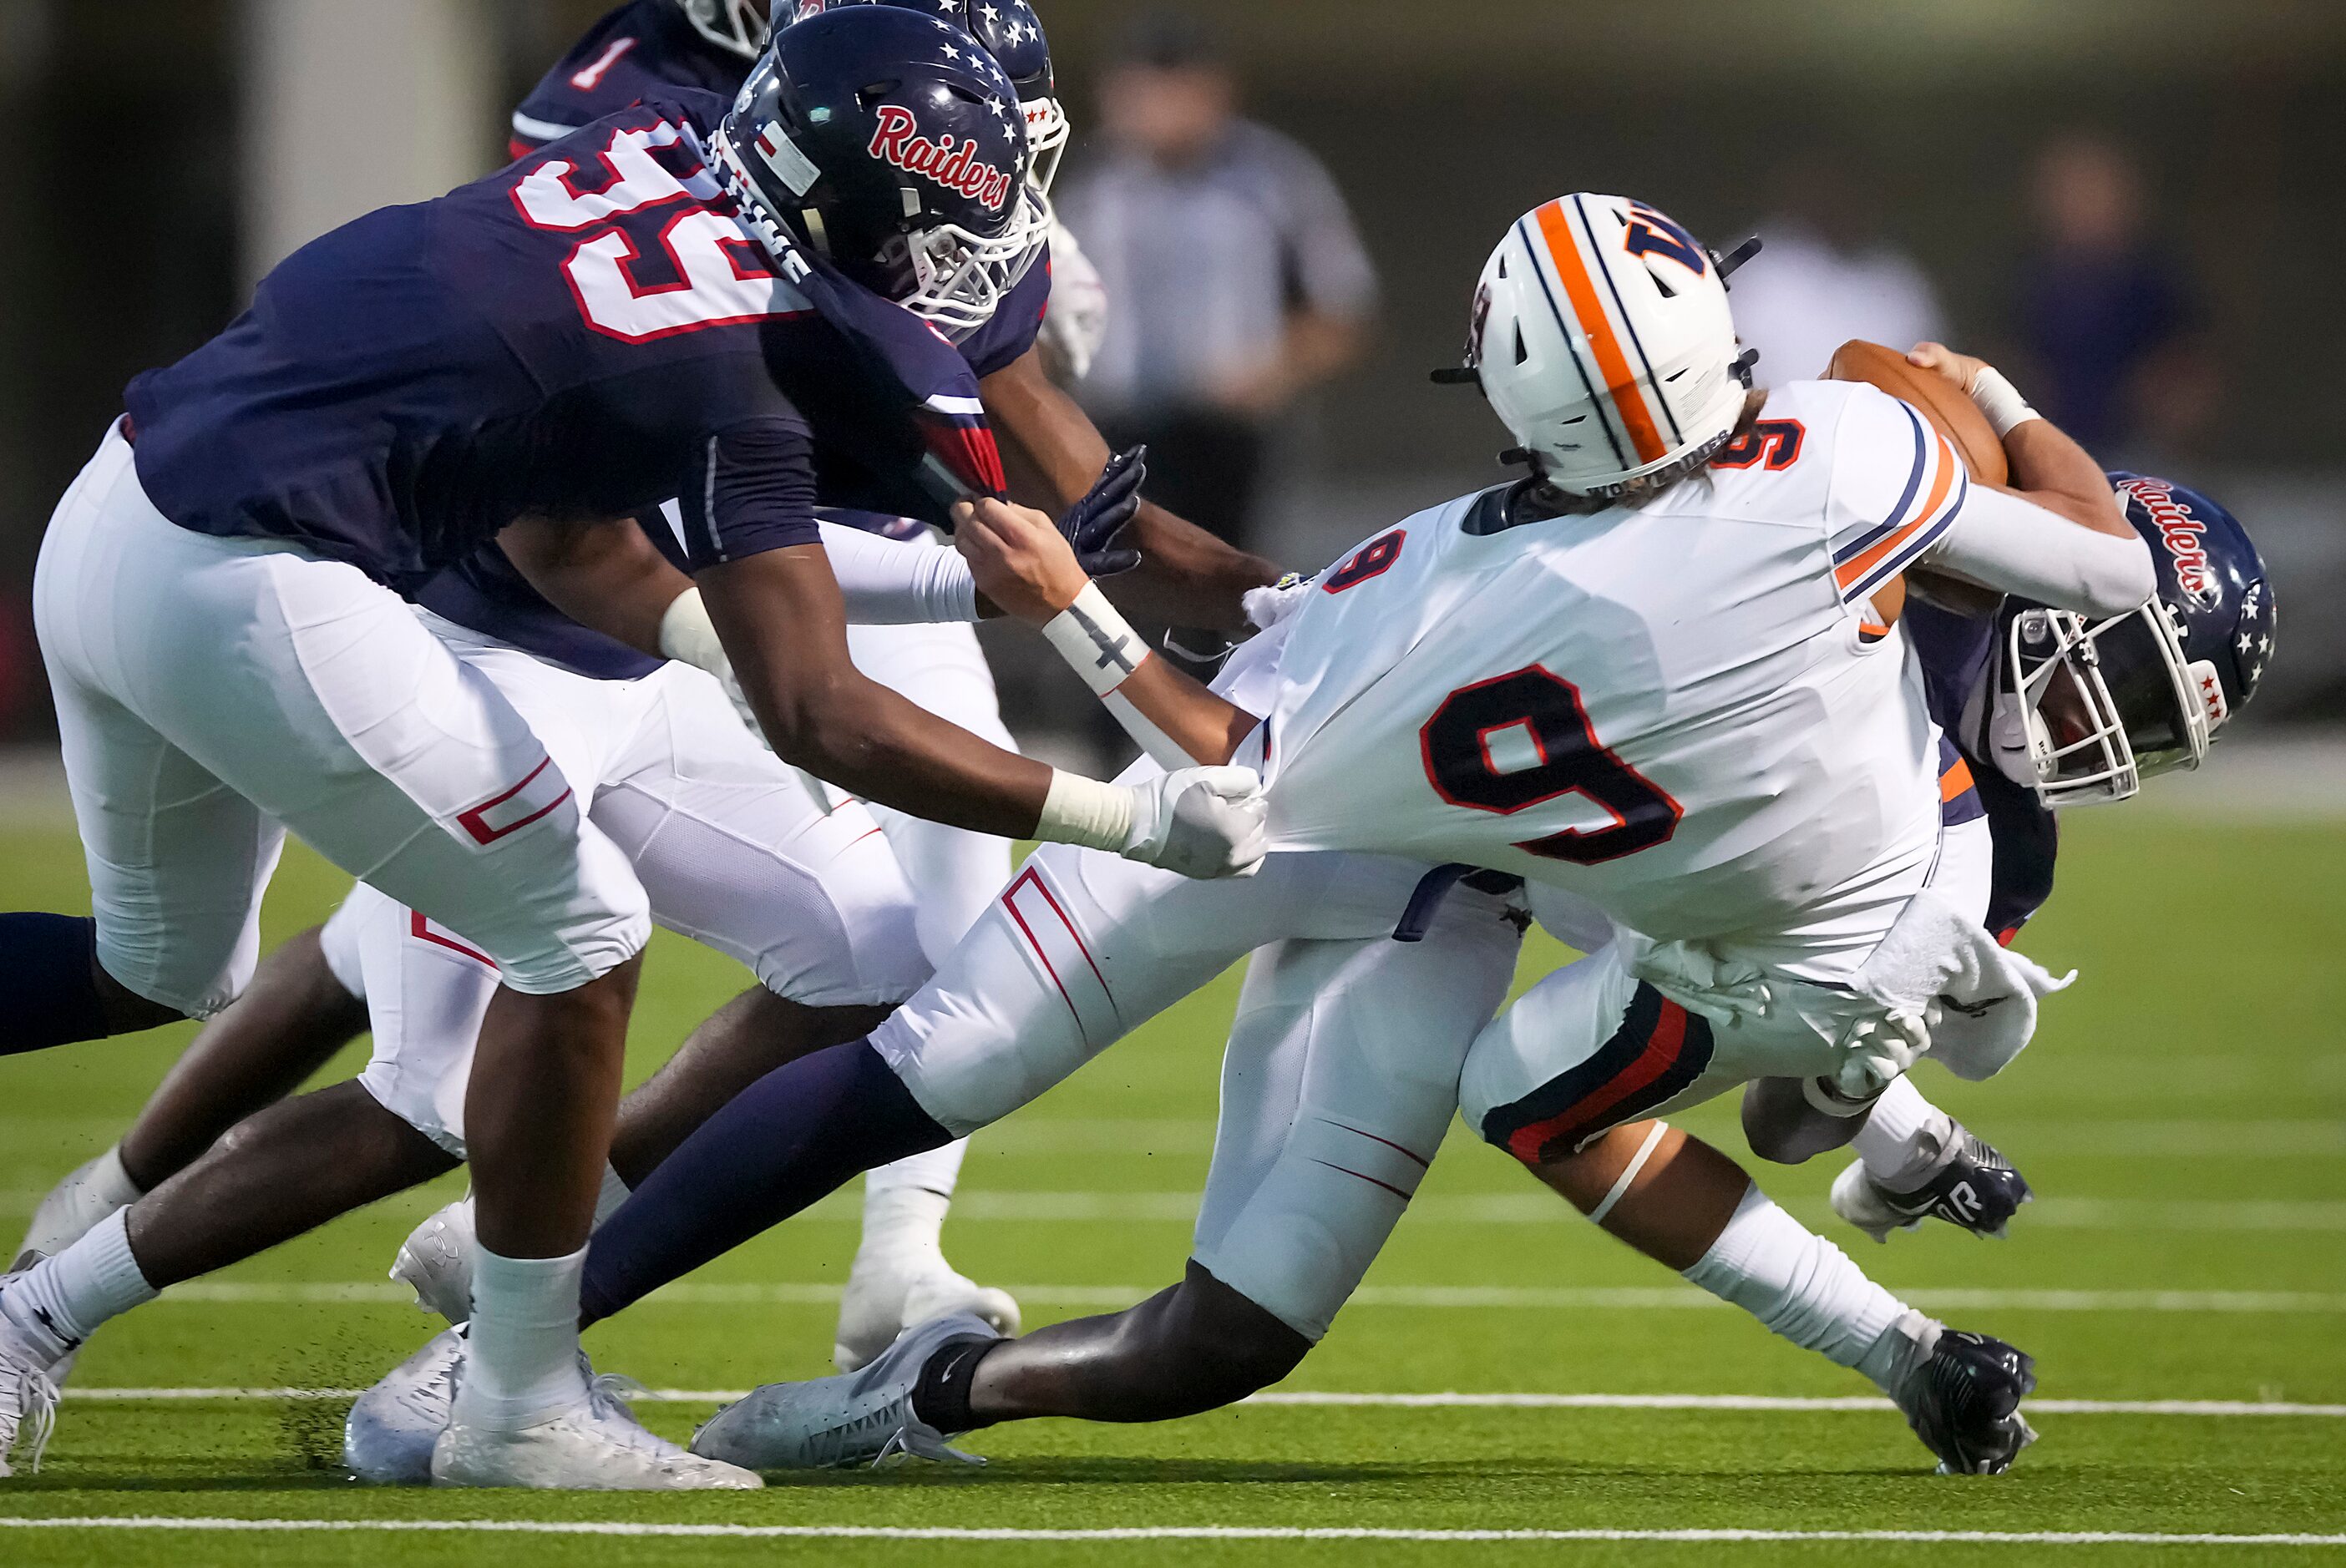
[(1954, 780), (1611, 363), (1855, 570)]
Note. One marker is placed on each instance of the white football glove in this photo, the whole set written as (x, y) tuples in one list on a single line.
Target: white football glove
[(1267, 605), (1077, 321), (1199, 821)]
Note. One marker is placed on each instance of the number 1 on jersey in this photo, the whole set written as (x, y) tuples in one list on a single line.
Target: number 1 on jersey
[(1517, 740)]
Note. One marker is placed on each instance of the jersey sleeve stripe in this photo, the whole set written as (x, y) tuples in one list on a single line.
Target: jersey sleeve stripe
[(1901, 551), (530, 128), (1620, 384), (1867, 534)]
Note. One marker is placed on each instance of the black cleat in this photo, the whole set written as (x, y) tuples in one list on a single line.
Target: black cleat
[(1973, 1186), (1964, 1403)]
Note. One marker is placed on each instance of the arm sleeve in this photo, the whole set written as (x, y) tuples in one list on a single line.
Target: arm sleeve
[(2013, 545), (889, 582), (749, 489)]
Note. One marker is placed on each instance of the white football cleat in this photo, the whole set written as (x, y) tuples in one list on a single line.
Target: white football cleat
[(29, 1399), (435, 1261), (887, 1295), (595, 1445), (387, 1438), (856, 1418)]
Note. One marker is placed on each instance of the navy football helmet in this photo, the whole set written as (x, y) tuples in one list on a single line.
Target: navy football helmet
[(737, 26), (1013, 35), (2083, 712), (888, 144)]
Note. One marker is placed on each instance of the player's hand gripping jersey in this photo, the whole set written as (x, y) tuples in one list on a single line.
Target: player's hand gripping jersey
[(1682, 708), (580, 336)]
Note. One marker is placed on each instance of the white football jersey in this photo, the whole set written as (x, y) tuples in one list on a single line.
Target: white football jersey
[(1679, 709)]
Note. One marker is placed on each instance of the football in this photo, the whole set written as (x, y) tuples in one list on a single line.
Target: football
[(1942, 403)]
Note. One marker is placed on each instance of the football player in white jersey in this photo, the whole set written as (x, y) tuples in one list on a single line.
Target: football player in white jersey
[(1630, 659)]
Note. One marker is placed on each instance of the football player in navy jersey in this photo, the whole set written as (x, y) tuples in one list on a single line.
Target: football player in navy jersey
[(308, 999), (679, 302)]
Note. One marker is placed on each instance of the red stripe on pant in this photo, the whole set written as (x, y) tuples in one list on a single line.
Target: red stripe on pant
[(1660, 1056)]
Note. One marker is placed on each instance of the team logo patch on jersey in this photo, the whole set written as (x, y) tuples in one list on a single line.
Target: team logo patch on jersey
[(2183, 534), (948, 161)]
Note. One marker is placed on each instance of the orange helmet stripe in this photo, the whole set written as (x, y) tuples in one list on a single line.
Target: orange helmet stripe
[(1620, 384)]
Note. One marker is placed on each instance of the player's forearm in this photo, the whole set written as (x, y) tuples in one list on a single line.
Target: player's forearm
[(605, 576), (1172, 718), (1187, 575), (2055, 472)]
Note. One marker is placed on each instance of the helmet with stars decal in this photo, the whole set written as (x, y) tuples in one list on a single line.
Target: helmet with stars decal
[(887, 143), (1011, 32), (2083, 711)]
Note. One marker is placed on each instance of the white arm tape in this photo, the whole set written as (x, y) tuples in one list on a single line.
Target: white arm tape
[(1998, 399), (2015, 547), (1098, 642), (687, 636), (892, 582), (1085, 812)]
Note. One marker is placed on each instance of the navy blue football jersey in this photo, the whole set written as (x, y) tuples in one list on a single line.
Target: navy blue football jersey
[(1956, 653), (646, 48), (580, 336), (643, 49)]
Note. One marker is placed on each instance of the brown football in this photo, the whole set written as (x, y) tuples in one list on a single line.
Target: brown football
[(1942, 403)]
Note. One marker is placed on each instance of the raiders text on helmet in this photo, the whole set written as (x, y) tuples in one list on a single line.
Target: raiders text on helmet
[(1013, 35), (888, 142), (1601, 335), (2083, 711)]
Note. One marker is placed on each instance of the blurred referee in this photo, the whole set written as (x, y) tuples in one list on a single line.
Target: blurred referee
[(1235, 275)]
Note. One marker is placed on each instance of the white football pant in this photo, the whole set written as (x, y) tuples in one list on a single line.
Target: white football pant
[(213, 693), (731, 845)]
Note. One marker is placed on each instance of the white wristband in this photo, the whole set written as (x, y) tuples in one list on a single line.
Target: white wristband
[(687, 636), (1095, 640), (1998, 399), (1085, 812)]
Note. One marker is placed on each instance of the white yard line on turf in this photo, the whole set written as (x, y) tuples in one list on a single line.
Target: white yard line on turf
[(1774, 1402), (1153, 1533), (1625, 1297)]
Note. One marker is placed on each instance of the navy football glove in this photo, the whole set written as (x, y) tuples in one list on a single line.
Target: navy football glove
[(1091, 525)]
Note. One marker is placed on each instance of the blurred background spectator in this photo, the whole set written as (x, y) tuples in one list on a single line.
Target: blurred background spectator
[(2109, 312), (1829, 274), (1236, 278)]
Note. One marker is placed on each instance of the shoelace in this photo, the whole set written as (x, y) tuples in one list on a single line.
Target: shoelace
[(36, 1401), (916, 1439), (612, 1396)]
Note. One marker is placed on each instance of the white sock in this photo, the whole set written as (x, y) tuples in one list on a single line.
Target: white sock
[(1903, 1136), (1803, 1287), (608, 1201), (521, 1364), (904, 1203), (60, 1301), (109, 1183)]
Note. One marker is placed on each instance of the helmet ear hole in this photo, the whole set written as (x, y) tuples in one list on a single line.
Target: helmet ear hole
[(1522, 351), (1663, 284)]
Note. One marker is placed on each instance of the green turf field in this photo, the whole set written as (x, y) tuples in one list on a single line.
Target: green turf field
[(2183, 1116)]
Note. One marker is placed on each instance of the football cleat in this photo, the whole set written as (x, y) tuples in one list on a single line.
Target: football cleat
[(595, 1445), (387, 1438), (885, 1297), (1963, 1402), (28, 1398), (854, 1419), (435, 1261), (1973, 1186)]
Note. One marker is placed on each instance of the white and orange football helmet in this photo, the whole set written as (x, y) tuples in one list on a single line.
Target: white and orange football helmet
[(1601, 335)]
